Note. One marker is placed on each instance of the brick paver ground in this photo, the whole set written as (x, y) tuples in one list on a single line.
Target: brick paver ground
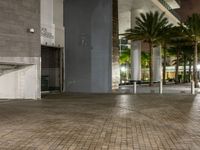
[(114, 122)]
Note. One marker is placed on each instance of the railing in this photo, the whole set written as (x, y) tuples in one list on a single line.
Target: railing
[(164, 3)]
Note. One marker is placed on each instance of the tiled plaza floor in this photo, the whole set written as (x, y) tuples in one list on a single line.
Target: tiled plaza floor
[(114, 122)]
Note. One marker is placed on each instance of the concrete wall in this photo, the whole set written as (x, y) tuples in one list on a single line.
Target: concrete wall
[(115, 50), (52, 30), (58, 22), (16, 17), (157, 63), (88, 41), (21, 48), (22, 82), (47, 25)]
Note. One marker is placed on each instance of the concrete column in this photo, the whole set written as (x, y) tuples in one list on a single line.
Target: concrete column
[(136, 60), (58, 22), (22, 81), (47, 23), (115, 46), (157, 68), (136, 47), (88, 44)]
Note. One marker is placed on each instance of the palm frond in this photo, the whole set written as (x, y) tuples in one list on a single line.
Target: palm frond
[(150, 27)]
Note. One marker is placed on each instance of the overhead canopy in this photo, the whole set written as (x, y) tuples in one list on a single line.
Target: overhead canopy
[(129, 9)]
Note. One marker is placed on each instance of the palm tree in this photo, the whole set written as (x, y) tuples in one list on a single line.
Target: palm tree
[(144, 59), (182, 51), (186, 59), (178, 43), (165, 42), (165, 62), (149, 27), (175, 51), (191, 28)]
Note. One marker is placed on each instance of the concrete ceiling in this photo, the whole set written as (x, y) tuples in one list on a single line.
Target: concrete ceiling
[(173, 4), (125, 8), (137, 7), (127, 5)]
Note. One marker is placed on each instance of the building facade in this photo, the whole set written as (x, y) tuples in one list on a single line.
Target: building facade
[(32, 48), (20, 53), (66, 45), (52, 45)]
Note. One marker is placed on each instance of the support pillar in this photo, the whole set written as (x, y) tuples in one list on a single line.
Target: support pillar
[(192, 87), (157, 67), (136, 60), (115, 50), (136, 47), (47, 24)]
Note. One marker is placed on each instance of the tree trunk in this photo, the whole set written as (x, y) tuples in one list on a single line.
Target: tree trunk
[(184, 71), (164, 65), (177, 66), (195, 64), (190, 69), (151, 64)]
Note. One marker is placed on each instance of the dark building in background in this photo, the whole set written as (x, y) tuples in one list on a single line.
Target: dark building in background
[(188, 7)]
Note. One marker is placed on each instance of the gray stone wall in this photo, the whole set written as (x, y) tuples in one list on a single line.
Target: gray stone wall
[(16, 17), (88, 25), (115, 51)]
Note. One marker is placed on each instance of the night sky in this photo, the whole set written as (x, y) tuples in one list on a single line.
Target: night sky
[(188, 7)]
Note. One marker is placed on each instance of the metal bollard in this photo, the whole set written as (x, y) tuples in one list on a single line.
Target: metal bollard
[(192, 87), (134, 87), (161, 87)]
